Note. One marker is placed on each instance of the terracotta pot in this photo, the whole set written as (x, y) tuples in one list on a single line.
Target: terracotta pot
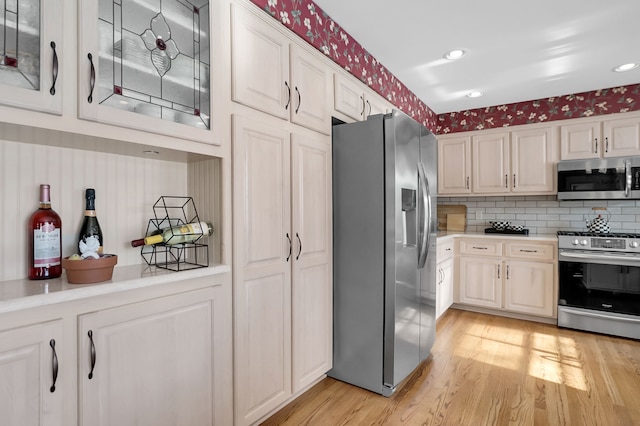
[(87, 271)]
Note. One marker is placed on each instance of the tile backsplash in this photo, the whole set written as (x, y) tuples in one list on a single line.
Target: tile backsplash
[(545, 214)]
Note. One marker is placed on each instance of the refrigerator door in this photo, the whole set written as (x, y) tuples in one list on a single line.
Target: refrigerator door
[(428, 284), (403, 227)]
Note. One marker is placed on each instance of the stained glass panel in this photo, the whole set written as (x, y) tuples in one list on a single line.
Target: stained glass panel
[(154, 58), (20, 43)]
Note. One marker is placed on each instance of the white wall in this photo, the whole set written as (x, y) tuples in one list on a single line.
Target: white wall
[(544, 214)]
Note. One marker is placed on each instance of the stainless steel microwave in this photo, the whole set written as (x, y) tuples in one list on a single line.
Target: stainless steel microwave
[(599, 179)]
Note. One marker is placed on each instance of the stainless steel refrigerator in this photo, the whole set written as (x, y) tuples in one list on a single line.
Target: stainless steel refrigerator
[(384, 256)]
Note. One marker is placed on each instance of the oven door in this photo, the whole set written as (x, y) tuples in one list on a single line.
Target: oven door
[(602, 281)]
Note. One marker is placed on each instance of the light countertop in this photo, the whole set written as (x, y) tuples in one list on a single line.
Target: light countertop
[(532, 237), (22, 294)]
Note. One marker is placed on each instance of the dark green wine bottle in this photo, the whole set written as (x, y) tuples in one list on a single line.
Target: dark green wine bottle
[(90, 227)]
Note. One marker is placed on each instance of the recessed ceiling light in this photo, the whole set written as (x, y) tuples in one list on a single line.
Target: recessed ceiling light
[(626, 67), (474, 94), (454, 54)]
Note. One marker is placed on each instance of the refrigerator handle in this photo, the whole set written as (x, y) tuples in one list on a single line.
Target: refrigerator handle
[(426, 218)]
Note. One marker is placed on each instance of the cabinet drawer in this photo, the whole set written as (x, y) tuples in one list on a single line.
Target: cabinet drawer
[(531, 250), (480, 247), (444, 250)]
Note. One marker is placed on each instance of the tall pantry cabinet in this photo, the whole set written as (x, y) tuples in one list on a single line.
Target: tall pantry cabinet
[(282, 244)]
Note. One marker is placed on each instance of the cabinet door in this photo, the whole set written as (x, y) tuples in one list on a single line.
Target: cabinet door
[(148, 363), (312, 314), (580, 140), (311, 91), (348, 97), (491, 163), (454, 166), (533, 156), (146, 66), (373, 106), (480, 282), (259, 64), (263, 252), (27, 370), (529, 288), (621, 137), (31, 68), (444, 293)]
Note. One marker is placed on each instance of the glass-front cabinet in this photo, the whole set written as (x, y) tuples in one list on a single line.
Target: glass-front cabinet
[(31, 54), (145, 64)]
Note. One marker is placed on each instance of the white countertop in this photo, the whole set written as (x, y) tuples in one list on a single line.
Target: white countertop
[(22, 294), (533, 237)]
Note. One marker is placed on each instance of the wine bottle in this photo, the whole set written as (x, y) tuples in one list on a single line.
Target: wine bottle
[(177, 234), (90, 227), (45, 241)]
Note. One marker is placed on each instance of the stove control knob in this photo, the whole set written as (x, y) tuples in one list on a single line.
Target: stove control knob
[(634, 244), (584, 242), (575, 242)]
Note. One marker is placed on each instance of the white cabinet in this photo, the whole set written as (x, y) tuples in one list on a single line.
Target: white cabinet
[(150, 362), (520, 161), (528, 287), (513, 275), (534, 154), (31, 359), (282, 263), (146, 66), (273, 75), (601, 138), (490, 153), (580, 140), (480, 266), (445, 280), (454, 166), (352, 100), (621, 137), (32, 73)]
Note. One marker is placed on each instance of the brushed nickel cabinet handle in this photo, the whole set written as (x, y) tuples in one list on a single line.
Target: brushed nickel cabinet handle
[(596, 145)]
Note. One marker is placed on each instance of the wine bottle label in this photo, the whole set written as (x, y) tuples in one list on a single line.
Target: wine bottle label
[(46, 246)]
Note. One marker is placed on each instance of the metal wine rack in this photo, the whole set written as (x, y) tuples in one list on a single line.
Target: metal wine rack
[(170, 211)]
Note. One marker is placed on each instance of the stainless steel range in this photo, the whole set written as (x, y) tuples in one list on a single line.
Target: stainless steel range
[(599, 283)]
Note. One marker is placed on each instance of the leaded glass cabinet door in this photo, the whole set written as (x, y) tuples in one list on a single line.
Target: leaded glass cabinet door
[(145, 64), (31, 54)]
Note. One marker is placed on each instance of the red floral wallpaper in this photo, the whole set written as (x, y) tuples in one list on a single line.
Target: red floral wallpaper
[(309, 21), (599, 102)]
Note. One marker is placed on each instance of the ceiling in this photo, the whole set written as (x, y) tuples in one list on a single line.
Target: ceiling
[(515, 50)]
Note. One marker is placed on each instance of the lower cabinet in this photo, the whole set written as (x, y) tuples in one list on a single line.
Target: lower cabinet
[(30, 392), (152, 356), (148, 363), (510, 275), (445, 280)]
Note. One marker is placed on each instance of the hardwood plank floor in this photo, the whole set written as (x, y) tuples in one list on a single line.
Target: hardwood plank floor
[(490, 370)]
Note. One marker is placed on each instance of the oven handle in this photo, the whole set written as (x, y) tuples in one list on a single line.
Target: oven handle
[(588, 256), (596, 315)]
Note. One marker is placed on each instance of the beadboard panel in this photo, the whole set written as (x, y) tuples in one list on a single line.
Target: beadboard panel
[(205, 186), (126, 189)]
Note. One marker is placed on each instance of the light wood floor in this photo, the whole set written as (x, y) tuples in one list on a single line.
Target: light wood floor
[(489, 370)]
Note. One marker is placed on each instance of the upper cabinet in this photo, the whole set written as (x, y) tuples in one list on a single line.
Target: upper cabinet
[(273, 75), (146, 66), (600, 138), (494, 163), (454, 165), (31, 55), (353, 100)]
